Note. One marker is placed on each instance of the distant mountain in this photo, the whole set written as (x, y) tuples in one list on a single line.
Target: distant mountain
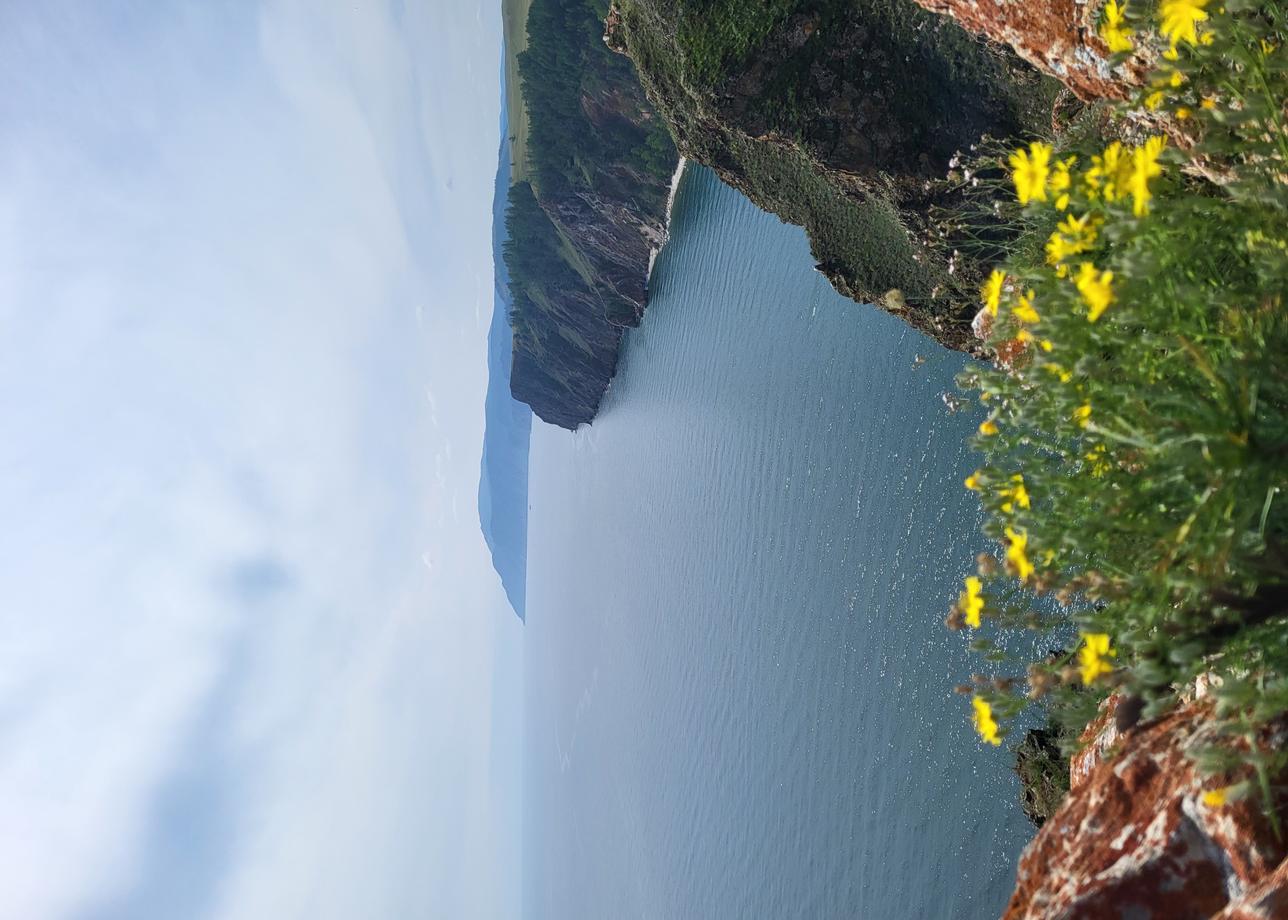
[(503, 478)]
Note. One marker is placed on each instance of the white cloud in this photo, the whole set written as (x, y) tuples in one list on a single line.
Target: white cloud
[(220, 470)]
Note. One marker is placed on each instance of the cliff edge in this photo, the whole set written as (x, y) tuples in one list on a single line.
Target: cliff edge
[(842, 116), (585, 219)]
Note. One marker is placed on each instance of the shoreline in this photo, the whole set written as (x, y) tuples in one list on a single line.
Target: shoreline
[(670, 204)]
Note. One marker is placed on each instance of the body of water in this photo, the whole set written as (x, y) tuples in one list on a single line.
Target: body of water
[(739, 688)]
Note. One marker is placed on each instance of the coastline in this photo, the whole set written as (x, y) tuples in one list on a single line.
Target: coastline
[(670, 203)]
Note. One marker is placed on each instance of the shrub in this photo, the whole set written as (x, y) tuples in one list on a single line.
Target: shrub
[(1136, 440)]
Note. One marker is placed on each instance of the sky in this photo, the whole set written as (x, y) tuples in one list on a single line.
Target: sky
[(255, 662)]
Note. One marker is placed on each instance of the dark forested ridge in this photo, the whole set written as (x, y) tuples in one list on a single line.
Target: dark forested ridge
[(581, 231), (841, 116)]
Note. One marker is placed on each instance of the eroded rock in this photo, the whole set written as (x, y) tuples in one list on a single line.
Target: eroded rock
[(1135, 838), (1059, 37)]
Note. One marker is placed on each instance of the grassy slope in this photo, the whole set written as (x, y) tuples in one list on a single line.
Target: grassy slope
[(514, 15)]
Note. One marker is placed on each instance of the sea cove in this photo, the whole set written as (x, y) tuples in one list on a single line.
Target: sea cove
[(739, 693)]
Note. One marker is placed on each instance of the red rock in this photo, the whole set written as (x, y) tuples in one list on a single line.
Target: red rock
[(1058, 37), (1134, 838), (1096, 739)]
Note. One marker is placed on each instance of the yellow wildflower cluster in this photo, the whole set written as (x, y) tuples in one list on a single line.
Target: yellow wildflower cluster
[(1015, 495), (1073, 236), (1117, 173), (1098, 460), (985, 724), (1060, 182), (1094, 655)]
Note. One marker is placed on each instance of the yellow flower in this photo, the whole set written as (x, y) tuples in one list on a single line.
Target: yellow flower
[(1082, 415), (991, 293), (1114, 30), (1074, 235), (971, 601), (1096, 289), (1029, 172), (1016, 495), (1215, 798), (985, 724), (1183, 113), (1046, 344), (1096, 457), (1208, 103), (1057, 370), (1154, 100), (1176, 79), (1145, 167), (988, 428), (1093, 656), (1015, 553), (972, 481), (1179, 18), (1023, 309), (1060, 182), (1108, 173)]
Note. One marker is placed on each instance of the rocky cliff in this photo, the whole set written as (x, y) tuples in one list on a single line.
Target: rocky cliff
[(1059, 37), (842, 116), (583, 225), (1145, 834)]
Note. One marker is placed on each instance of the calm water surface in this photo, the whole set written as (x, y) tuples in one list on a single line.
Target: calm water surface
[(739, 687)]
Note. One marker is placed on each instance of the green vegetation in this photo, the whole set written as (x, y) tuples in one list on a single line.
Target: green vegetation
[(584, 126), (1042, 764), (841, 116), (514, 16), (591, 173), (1136, 444)]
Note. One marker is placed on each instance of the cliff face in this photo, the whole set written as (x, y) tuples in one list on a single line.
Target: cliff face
[(1057, 36), (584, 224), (841, 116)]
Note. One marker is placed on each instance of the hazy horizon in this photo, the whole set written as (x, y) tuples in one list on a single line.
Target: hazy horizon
[(258, 664)]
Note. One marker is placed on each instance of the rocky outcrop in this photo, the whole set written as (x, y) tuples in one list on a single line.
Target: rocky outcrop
[(1059, 37), (843, 116), (1137, 837)]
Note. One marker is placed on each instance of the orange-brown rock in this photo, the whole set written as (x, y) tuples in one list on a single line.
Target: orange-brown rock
[(1058, 37), (1134, 838), (1097, 738)]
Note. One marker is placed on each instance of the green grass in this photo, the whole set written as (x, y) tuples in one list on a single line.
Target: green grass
[(514, 17)]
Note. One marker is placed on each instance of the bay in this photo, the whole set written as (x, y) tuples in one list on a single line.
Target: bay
[(739, 688)]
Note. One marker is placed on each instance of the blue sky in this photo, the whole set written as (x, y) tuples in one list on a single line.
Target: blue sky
[(255, 661)]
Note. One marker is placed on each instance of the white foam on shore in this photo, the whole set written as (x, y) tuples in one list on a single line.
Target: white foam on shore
[(670, 203)]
